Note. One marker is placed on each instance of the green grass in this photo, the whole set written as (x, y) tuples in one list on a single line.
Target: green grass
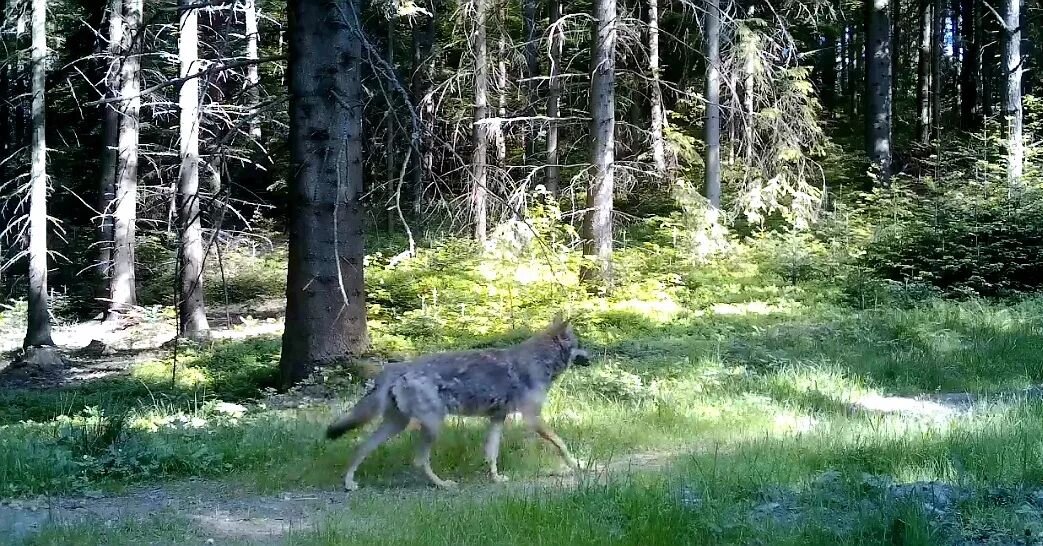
[(740, 380)]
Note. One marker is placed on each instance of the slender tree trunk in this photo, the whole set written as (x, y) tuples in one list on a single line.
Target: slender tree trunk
[(557, 40), (423, 61), (597, 224), (878, 79), (38, 331), (1012, 107), (122, 288), (829, 70), (391, 215), (480, 131), (957, 51), (253, 78), (658, 112), (532, 71), (110, 147), (854, 51), (499, 136), (192, 312), (896, 51), (325, 292), (937, 51), (713, 103), (923, 75), (844, 67), (970, 67)]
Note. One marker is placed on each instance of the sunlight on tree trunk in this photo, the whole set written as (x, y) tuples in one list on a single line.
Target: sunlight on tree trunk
[(1012, 107), (123, 291), (38, 331), (110, 148), (597, 223), (253, 78), (937, 60), (658, 112), (192, 312), (532, 71), (557, 39), (712, 182), (480, 131)]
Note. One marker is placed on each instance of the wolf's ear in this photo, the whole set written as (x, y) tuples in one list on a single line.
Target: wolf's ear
[(558, 325)]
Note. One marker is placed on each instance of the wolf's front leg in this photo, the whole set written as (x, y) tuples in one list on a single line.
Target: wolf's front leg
[(492, 447), (536, 423)]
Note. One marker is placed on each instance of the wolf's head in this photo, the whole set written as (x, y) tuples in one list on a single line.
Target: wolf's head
[(564, 335)]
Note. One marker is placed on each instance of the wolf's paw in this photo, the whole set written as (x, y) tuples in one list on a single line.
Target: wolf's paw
[(447, 484), (500, 478), (350, 485)]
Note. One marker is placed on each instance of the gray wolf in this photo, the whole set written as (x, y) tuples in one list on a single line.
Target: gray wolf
[(491, 383)]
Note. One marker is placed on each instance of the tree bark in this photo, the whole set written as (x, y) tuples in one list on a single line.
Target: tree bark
[(480, 129), (423, 67), (253, 77), (38, 330), (557, 39), (844, 65), (122, 288), (828, 64), (499, 137), (532, 71), (1012, 106), (389, 138), (192, 321), (658, 112), (970, 68), (713, 103), (325, 292), (896, 51), (923, 74), (597, 224), (878, 80), (937, 37), (110, 148)]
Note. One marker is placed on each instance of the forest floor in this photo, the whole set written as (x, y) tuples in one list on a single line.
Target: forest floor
[(725, 406)]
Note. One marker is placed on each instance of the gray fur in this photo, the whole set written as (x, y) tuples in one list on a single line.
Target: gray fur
[(491, 383)]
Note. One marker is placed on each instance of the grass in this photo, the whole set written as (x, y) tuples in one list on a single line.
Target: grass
[(742, 381)]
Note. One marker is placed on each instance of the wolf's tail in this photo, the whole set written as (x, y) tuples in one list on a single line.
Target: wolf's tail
[(371, 405)]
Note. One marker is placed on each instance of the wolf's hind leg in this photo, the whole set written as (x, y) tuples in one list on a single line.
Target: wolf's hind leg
[(391, 426), (428, 434), (492, 447)]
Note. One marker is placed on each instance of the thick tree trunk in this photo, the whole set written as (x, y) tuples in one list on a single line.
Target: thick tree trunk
[(923, 74), (253, 78), (970, 68), (597, 224), (38, 330), (122, 288), (110, 127), (557, 40), (480, 130), (878, 80), (532, 71), (325, 293), (1012, 106), (191, 309), (712, 123), (658, 112)]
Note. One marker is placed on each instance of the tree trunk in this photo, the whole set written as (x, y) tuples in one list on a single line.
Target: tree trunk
[(325, 293), (1012, 107), (878, 80), (844, 66), (923, 75), (499, 136), (122, 288), (423, 61), (957, 51), (937, 37), (896, 51), (970, 68), (110, 148), (854, 51), (253, 78), (389, 139), (557, 40), (38, 330), (829, 70), (192, 313), (532, 71), (658, 112), (713, 103), (597, 224), (480, 130)]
